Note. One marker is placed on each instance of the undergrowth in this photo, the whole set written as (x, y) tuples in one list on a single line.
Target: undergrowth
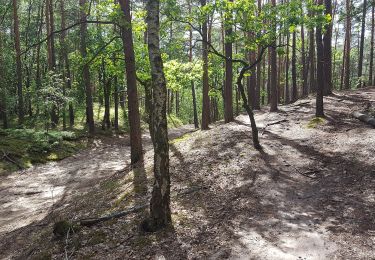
[(25, 147)]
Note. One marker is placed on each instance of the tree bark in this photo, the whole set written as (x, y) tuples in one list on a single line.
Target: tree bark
[(160, 212), (347, 45), (107, 97), (51, 57), (320, 70), (257, 98), (252, 80), (327, 42), (195, 110), (3, 102), (312, 72), (228, 87), (287, 94), (294, 68), (371, 80), (131, 79), (67, 72), (206, 98), (18, 62), (273, 79), (305, 91), (362, 43), (86, 69)]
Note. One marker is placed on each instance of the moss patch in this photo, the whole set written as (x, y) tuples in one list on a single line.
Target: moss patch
[(180, 139), (315, 122)]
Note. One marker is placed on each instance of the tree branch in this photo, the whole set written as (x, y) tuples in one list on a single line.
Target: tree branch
[(62, 30)]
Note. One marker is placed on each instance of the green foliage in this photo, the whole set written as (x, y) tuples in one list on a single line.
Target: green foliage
[(180, 75), (51, 97)]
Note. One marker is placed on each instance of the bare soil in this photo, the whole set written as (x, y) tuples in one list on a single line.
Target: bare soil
[(309, 194)]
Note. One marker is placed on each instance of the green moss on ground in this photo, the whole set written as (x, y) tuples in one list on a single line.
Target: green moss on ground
[(315, 122), (27, 147)]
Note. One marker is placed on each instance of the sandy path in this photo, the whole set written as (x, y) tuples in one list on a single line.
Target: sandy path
[(29, 196)]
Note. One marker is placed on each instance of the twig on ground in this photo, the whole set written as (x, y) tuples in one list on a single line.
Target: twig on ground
[(274, 123)]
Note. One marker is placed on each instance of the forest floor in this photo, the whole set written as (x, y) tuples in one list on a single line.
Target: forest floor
[(309, 194)]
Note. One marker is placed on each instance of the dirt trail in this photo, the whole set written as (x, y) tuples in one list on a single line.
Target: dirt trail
[(29, 196), (309, 194)]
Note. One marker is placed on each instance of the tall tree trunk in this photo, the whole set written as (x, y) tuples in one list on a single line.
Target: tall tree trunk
[(51, 57), (362, 43), (195, 110), (347, 45), (371, 80), (86, 69), (258, 69), (67, 72), (252, 80), (294, 68), (3, 102), (228, 87), (18, 62), (320, 70), (131, 80), (273, 80), (312, 72), (305, 91), (160, 212), (206, 98), (335, 77), (106, 82), (327, 42), (287, 94)]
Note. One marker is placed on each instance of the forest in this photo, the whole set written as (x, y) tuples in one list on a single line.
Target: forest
[(187, 129)]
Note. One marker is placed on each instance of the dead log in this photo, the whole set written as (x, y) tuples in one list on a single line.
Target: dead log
[(364, 118)]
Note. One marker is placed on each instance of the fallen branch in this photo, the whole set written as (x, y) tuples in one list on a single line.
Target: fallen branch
[(92, 221), (7, 158), (364, 118), (302, 103), (274, 123)]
